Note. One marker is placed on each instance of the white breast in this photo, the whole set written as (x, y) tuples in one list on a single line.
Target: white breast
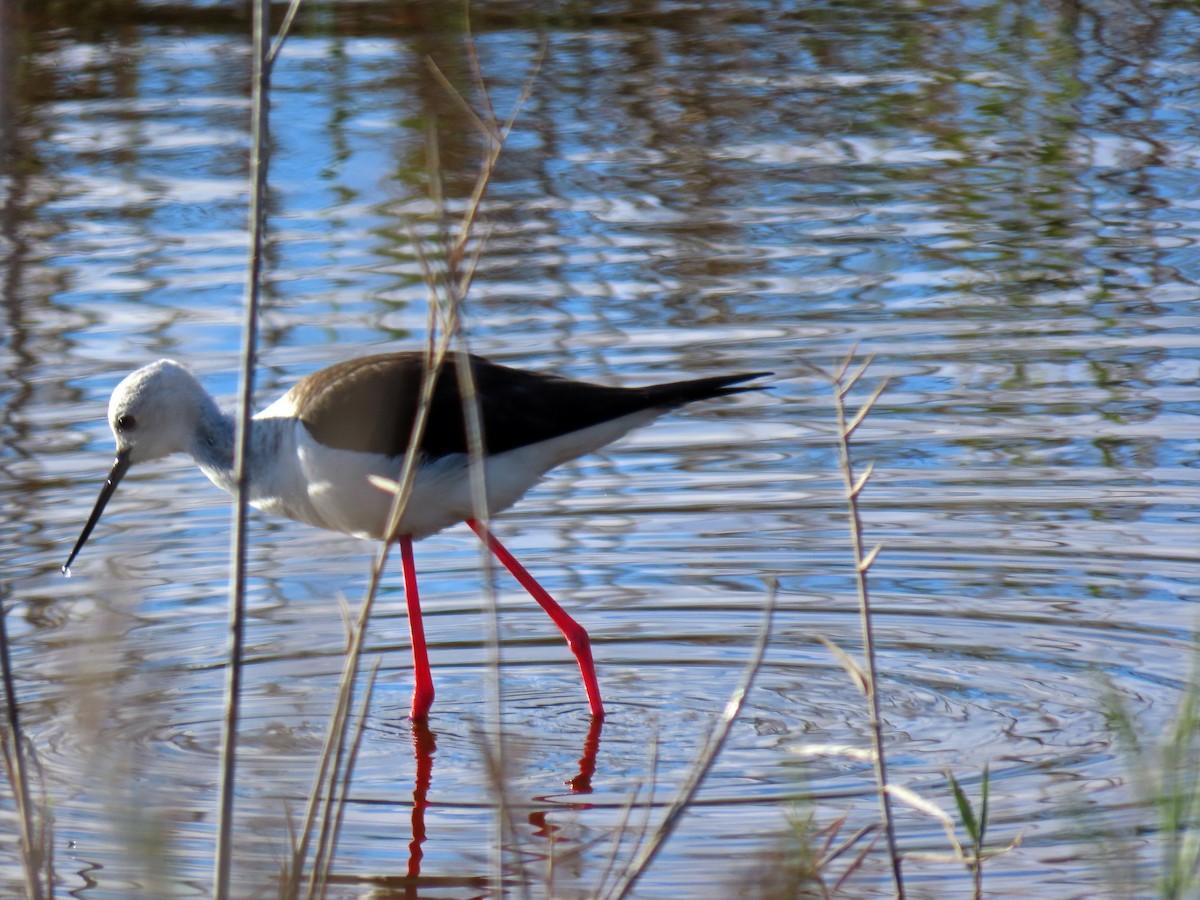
[(330, 488)]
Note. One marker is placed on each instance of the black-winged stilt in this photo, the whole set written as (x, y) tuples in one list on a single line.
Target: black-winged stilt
[(313, 452)]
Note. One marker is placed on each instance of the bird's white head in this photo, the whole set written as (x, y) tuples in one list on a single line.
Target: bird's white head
[(153, 411)]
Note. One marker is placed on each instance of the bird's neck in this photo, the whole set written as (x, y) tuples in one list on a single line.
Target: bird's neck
[(213, 449), (212, 446)]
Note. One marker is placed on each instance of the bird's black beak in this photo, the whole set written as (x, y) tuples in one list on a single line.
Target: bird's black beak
[(119, 468)]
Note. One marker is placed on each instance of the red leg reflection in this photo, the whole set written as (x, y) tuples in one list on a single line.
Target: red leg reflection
[(577, 637), (582, 783), (422, 677), (424, 745)]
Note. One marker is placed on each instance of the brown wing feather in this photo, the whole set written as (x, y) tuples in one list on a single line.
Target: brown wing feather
[(369, 404)]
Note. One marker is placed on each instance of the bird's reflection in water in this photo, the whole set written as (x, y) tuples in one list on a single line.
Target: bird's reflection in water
[(424, 743)]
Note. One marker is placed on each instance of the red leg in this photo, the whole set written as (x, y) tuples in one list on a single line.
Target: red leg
[(422, 677), (577, 637)]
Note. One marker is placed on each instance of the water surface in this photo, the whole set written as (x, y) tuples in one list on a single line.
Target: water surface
[(995, 200)]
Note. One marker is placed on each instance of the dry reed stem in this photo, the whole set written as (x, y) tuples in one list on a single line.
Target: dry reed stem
[(827, 854), (627, 811), (259, 150), (843, 383), (330, 842), (284, 29), (329, 769), (857, 862), (450, 293), (638, 866), (865, 678), (447, 296), (36, 838), (263, 59)]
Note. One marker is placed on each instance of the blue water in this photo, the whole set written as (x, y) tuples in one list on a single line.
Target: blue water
[(995, 200)]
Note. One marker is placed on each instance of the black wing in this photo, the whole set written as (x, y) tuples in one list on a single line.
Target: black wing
[(369, 404)]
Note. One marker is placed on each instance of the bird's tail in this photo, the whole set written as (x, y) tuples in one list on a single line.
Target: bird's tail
[(676, 393)]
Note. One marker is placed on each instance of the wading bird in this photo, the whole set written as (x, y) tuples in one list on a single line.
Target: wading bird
[(317, 452)]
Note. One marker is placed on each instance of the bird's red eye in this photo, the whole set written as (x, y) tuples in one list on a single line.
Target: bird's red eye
[(126, 423)]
